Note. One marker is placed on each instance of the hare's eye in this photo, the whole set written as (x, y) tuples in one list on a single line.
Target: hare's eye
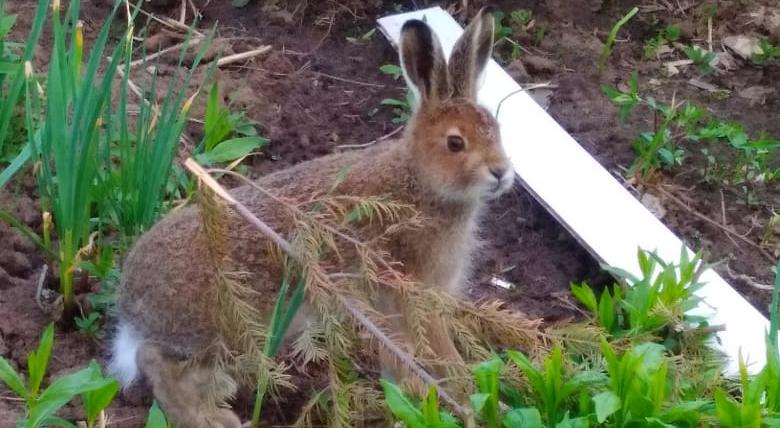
[(455, 143)]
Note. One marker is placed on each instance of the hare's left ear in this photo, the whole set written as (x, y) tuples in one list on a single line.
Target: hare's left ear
[(471, 54)]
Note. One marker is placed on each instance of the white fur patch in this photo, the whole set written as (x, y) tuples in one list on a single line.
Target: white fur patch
[(124, 349)]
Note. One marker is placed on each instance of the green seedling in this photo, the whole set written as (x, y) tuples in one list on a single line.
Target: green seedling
[(364, 38), (769, 53), (95, 390), (425, 415), (89, 325), (287, 305), (747, 412), (607, 50), (521, 16), (625, 101), (551, 387), (660, 298), (666, 35), (701, 57), (228, 136), (401, 107)]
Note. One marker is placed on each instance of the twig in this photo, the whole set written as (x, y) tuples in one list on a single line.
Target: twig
[(725, 229), (749, 280), (723, 209), (183, 12), (525, 88), (372, 142), (355, 312), (345, 80), (230, 59), (709, 32), (171, 23), (39, 288), (194, 42)]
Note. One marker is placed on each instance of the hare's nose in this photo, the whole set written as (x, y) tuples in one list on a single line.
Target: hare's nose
[(498, 173)]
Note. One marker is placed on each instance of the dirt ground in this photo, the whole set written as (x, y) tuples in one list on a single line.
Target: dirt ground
[(316, 91)]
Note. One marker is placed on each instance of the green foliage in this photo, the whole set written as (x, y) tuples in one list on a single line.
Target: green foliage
[(631, 379), (754, 160), (701, 57), (670, 33), (287, 305), (646, 305), (401, 107), (769, 53), (607, 50), (89, 325), (63, 128), (96, 391), (156, 418), (228, 136)]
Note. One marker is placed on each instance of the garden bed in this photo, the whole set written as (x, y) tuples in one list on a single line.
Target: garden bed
[(320, 88)]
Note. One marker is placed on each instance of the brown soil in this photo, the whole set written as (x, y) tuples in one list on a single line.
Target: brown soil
[(315, 91)]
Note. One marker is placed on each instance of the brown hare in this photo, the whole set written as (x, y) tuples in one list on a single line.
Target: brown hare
[(448, 163)]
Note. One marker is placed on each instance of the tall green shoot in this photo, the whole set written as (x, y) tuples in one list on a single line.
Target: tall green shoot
[(612, 35)]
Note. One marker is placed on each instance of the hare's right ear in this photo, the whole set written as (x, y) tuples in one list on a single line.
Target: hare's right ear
[(423, 63)]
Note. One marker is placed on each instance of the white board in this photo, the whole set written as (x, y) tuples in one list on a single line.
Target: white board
[(588, 201)]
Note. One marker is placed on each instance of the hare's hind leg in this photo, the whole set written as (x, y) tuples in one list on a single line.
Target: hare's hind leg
[(191, 395)]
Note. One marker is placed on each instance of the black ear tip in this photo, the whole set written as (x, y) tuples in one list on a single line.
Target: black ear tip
[(417, 26), (489, 10)]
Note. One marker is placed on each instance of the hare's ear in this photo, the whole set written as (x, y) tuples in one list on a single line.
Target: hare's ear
[(423, 63), (471, 54)]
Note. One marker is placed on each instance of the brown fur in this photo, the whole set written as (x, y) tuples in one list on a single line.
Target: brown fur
[(166, 292)]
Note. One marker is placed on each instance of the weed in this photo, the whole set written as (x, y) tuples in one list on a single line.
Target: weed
[(228, 136), (702, 58), (363, 38), (96, 391), (670, 33), (769, 53), (89, 325), (607, 50), (401, 107)]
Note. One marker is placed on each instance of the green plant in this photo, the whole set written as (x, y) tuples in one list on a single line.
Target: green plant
[(137, 157), (12, 82), (701, 57), (769, 53), (552, 387), (670, 33), (228, 136), (287, 305), (156, 418), (625, 101), (428, 415), (401, 107), (40, 405), (659, 299), (607, 50), (89, 325), (63, 130)]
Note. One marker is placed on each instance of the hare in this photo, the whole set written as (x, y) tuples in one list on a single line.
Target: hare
[(448, 163)]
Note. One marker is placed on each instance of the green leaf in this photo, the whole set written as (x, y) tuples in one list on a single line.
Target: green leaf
[(61, 392), (391, 70), (401, 407), (98, 399), (156, 417), (478, 401), (585, 295), (38, 360), (231, 150), (606, 403), (11, 378), (528, 417)]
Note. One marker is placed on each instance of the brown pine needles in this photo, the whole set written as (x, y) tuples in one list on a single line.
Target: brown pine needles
[(321, 247)]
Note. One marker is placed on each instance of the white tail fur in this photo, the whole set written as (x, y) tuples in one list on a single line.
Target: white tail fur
[(124, 349)]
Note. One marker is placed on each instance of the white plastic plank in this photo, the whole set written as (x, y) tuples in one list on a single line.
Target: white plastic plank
[(588, 201)]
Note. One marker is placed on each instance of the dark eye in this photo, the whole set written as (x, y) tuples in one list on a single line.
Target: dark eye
[(455, 143)]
